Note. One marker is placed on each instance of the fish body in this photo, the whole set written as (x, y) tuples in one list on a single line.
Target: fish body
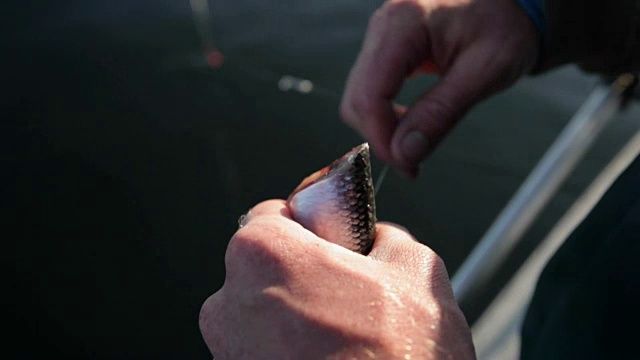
[(337, 202)]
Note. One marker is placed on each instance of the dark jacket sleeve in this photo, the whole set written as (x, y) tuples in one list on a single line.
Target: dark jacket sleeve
[(599, 36)]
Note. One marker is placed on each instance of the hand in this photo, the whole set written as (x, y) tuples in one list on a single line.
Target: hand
[(291, 295), (479, 46)]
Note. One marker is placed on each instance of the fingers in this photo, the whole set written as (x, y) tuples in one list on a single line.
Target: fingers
[(212, 316), (269, 240), (394, 245), (433, 116), (476, 55), (395, 44), (438, 110), (268, 207), (265, 228)]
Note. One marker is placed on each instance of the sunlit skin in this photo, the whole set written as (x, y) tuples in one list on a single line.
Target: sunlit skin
[(478, 47), (291, 295)]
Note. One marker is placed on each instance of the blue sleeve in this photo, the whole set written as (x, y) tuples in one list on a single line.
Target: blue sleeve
[(533, 8)]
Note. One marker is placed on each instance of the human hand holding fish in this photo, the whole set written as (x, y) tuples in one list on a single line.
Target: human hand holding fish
[(316, 277), (289, 294)]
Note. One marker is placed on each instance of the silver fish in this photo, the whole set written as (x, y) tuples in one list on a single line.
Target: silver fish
[(337, 202)]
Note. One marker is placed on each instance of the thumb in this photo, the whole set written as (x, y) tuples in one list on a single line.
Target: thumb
[(435, 113)]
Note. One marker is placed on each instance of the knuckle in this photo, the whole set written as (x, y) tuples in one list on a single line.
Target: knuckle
[(400, 7), (267, 206), (395, 9), (358, 106), (391, 226), (429, 259), (210, 321), (207, 311), (441, 108), (435, 115), (434, 270), (391, 8), (379, 17), (259, 241), (438, 271), (247, 239), (437, 263), (347, 111)]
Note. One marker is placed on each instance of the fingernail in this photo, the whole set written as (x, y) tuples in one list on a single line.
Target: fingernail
[(414, 146)]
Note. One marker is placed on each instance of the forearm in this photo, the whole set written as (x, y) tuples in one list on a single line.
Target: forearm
[(599, 36)]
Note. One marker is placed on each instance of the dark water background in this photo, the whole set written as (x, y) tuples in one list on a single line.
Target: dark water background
[(133, 159)]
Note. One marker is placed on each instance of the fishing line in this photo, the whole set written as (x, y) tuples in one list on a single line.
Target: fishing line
[(383, 174), (213, 58)]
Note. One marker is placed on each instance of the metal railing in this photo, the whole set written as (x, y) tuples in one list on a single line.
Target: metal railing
[(541, 184)]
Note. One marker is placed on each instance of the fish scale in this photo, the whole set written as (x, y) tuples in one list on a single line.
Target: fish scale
[(337, 202)]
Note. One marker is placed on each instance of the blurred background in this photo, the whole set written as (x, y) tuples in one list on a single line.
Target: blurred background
[(138, 132)]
